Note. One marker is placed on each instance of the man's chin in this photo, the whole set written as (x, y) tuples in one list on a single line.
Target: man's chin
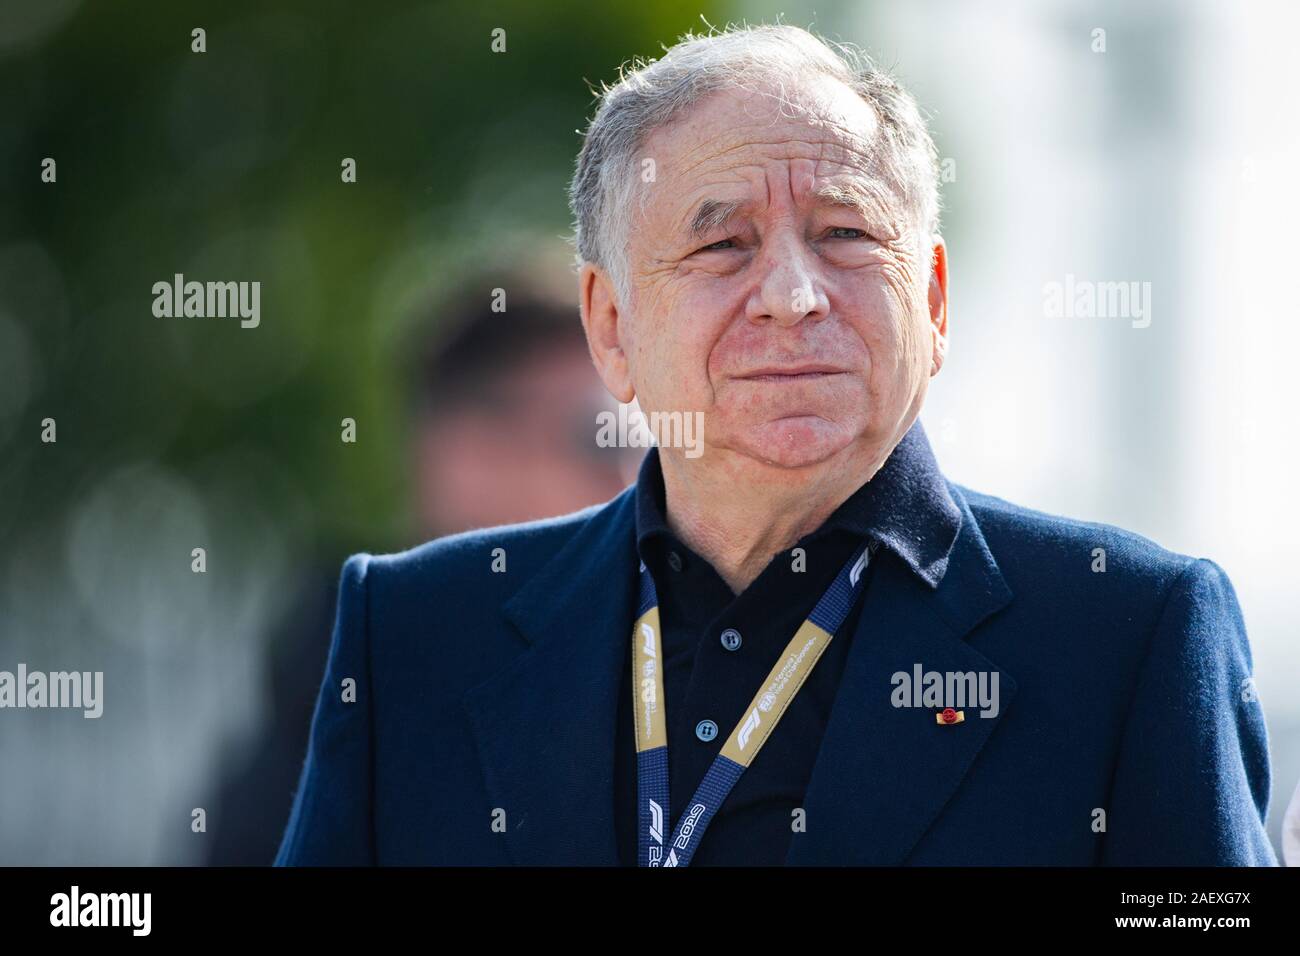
[(799, 441)]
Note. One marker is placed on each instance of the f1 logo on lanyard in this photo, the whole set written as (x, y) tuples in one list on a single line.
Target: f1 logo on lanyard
[(761, 717)]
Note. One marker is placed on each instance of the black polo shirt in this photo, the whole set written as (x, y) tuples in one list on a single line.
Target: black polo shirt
[(718, 648)]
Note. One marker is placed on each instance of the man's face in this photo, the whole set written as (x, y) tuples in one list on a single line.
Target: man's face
[(799, 324)]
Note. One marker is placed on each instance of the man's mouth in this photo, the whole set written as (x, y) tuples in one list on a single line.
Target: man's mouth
[(791, 373)]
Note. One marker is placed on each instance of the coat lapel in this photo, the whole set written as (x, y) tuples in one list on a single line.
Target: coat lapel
[(545, 724), (883, 773)]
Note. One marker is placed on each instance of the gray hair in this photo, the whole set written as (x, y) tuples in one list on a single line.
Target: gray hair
[(650, 94)]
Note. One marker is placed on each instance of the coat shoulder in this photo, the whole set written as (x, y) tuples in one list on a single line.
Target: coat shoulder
[(1033, 546), (486, 562)]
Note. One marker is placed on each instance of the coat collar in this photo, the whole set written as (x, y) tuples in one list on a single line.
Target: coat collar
[(544, 724), (906, 506)]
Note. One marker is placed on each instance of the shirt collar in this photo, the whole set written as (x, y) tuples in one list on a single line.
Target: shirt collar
[(906, 506)]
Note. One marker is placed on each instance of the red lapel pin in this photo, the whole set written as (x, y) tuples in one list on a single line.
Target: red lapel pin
[(950, 716)]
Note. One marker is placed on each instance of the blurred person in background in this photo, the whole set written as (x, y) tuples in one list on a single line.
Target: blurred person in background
[(502, 418), (507, 411)]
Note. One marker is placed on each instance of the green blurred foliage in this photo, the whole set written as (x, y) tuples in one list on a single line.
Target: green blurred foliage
[(225, 165)]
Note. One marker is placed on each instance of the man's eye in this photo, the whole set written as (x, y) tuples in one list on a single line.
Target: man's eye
[(720, 244), (861, 233)]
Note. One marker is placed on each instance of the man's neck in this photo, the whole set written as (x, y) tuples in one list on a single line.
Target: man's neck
[(738, 514)]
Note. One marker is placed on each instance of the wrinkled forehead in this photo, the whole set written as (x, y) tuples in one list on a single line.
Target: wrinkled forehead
[(822, 132)]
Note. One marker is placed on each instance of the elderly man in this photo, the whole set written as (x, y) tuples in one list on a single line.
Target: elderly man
[(803, 645)]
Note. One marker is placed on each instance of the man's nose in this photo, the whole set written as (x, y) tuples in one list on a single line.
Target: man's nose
[(789, 288)]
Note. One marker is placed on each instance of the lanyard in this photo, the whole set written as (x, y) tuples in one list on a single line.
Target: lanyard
[(761, 717)]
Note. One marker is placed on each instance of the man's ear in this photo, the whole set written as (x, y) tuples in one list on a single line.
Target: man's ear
[(600, 320), (938, 301)]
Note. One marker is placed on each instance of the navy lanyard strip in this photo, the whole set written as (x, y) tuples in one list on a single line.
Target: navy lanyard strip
[(653, 849)]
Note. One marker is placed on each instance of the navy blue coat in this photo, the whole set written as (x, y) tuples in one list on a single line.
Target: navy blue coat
[(1127, 733)]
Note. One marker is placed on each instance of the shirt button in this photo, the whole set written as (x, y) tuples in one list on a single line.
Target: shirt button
[(674, 560), (731, 639), (706, 730)]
